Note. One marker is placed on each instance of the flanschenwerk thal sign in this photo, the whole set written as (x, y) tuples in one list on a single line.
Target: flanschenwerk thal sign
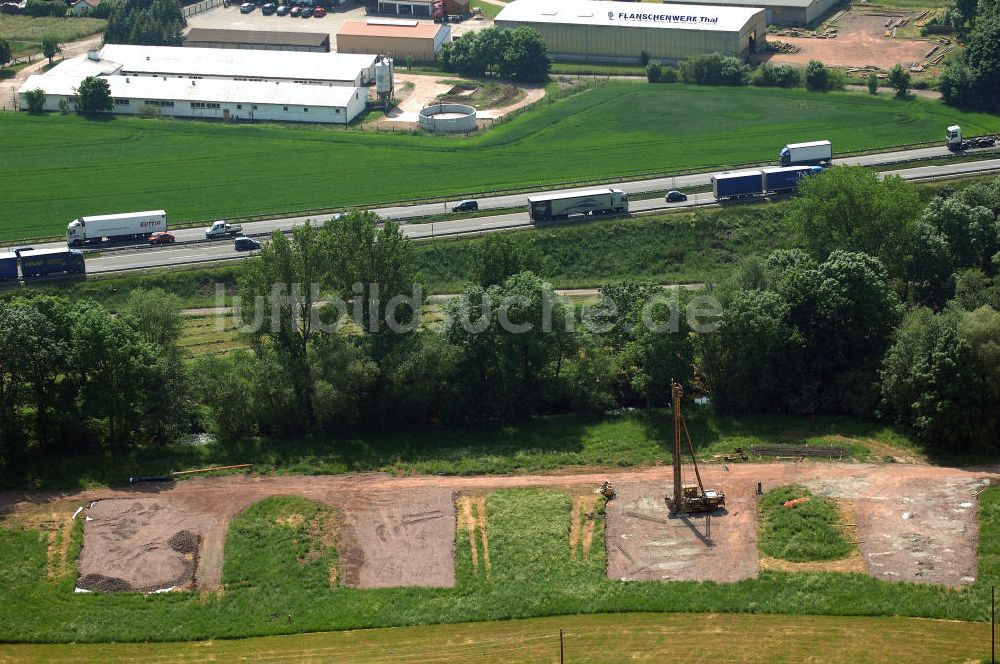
[(661, 18)]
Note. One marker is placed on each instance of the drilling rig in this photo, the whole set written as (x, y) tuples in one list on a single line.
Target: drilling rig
[(689, 498)]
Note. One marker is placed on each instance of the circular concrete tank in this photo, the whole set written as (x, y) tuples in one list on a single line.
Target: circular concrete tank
[(447, 118)]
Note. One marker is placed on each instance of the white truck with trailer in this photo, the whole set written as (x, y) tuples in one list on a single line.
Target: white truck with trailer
[(545, 207), (115, 227), (813, 153), (954, 141)]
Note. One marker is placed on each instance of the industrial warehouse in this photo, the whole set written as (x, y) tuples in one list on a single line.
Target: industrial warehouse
[(419, 40), (224, 84), (592, 30), (781, 12), (213, 98)]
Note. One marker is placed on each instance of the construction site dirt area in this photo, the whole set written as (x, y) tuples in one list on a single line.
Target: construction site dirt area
[(862, 39), (916, 523), (646, 542)]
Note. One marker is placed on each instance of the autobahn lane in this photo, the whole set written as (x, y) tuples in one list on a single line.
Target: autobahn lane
[(142, 258)]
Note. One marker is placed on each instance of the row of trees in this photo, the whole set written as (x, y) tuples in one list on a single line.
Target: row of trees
[(972, 78), (716, 69), (517, 55), (73, 374), (147, 22)]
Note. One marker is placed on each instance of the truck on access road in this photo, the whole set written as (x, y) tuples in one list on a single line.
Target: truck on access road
[(545, 207), (115, 227), (221, 230), (40, 263), (802, 154)]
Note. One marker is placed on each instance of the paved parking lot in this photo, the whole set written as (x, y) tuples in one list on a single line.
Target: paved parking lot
[(230, 18)]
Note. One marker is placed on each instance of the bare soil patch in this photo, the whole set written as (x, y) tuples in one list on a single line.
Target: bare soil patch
[(400, 539), (582, 522), (646, 543), (144, 544), (471, 517), (860, 41)]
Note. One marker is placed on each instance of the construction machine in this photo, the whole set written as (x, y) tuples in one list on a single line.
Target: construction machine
[(607, 489), (689, 498)]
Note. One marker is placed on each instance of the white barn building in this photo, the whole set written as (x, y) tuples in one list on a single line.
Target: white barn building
[(210, 98)]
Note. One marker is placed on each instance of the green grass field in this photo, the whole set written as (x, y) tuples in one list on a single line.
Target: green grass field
[(803, 532), (596, 639), (199, 171), (25, 33), (277, 581)]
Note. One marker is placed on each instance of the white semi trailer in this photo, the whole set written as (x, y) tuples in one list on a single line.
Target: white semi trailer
[(806, 154), (125, 226), (595, 201)]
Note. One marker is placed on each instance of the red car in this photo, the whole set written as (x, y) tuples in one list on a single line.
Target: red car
[(162, 237), (319, 12)]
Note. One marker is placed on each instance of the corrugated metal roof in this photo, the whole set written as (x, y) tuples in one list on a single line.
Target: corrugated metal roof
[(205, 90), (270, 37), (248, 63), (628, 14)]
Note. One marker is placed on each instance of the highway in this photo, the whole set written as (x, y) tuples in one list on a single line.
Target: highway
[(142, 257)]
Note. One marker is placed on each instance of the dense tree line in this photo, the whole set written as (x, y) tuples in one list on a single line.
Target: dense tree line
[(75, 374), (516, 55), (972, 78), (147, 22)]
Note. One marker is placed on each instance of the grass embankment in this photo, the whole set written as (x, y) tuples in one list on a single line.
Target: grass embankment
[(199, 171), (597, 639), (25, 33), (543, 444), (533, 572), (803, 532), (487, 9)]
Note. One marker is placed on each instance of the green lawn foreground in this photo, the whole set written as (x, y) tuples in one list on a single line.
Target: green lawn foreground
[(269, 591), (596, 639), (199, 171)]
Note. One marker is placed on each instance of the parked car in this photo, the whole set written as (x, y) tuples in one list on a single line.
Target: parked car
[(306, 12), (295, 12), (247, 7), (674, 196), (162, 237), (465, 206), (246, 244), (319, 12), (268, 9), (283, 10)]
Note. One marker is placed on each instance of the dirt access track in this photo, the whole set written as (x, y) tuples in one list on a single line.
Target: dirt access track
[(914, 523)]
